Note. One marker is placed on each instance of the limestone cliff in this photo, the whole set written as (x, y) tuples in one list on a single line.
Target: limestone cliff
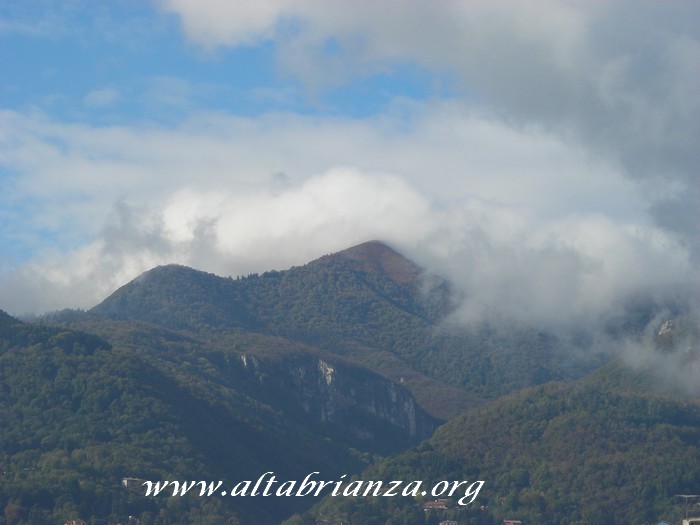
[(358, 401)]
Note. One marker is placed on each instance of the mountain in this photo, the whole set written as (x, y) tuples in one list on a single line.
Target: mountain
[(6, 319), (80, 414), (182, 374), (375, 257), (367, 303), (189, 373), (611, 448)]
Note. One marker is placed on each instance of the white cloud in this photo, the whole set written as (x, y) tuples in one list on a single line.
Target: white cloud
[(219, 22), (618, 77), (102, 97), (78, 172), (531, 191), (544, 233), (531, 188)]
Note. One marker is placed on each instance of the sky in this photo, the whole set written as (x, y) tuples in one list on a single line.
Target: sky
[(541, 155)]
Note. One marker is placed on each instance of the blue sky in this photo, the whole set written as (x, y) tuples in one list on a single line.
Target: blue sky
[(120, 50), (104, 63), (523, 149)]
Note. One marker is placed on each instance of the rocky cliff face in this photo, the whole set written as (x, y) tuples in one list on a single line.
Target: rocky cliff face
[(359, 402)]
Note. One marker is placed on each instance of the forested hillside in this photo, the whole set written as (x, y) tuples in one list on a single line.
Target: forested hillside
[(367, 303), (342, 366), (612, 448), (80, 414)]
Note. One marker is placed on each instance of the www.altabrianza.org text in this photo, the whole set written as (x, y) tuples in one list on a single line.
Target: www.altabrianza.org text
[(267, 485)]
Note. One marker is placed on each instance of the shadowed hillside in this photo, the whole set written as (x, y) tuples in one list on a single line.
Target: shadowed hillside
[(367, 303), (607, 449)]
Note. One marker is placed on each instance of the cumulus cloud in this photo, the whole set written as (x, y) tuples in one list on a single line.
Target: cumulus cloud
[(569, 272), (558, 182), (545, 235), (219, 22), (226, 232), (77, 171), (619, 77)]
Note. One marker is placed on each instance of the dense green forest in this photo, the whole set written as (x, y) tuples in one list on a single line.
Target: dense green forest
[(367, 303), (608, 449), (80, 414), (343, 366)]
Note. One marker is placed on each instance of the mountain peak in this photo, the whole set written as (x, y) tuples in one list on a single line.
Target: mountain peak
[(6, 319), (377, 257)]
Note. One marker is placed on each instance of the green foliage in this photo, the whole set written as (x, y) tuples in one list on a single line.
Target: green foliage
[(79, 414), (162, 392), (383, 315), (603, 450)]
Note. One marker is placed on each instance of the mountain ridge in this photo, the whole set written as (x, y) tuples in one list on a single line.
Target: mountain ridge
[(607, 449), (154, 403), (377, 257), (325, 366), (368, 303)]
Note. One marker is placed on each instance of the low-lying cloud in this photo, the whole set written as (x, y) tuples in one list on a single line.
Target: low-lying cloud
[(546, 236), (525, 224), (556, 183), (620, 77)]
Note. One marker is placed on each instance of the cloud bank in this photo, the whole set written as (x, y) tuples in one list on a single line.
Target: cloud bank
[(545, 233), (552, 174), (619, 77)]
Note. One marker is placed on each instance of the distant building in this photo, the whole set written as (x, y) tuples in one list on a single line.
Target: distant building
[(132, 482), (512, 522), (76, 522), (438, 504), (452, 522)]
